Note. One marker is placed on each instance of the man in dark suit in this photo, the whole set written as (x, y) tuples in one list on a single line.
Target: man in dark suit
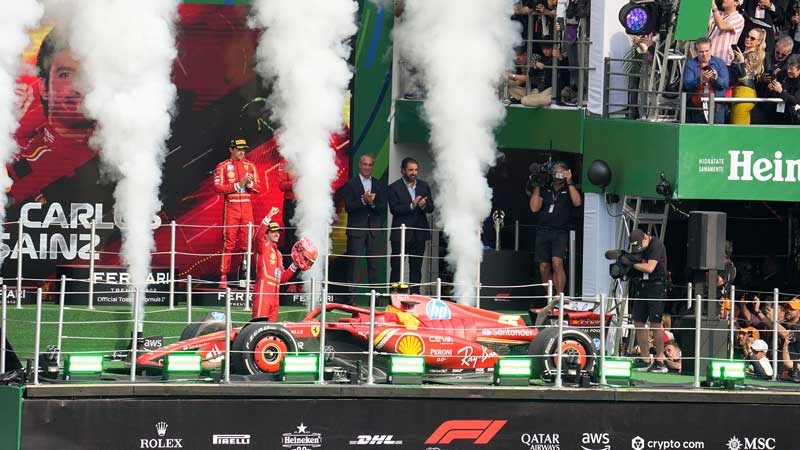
[(410, 202), (365, 199)]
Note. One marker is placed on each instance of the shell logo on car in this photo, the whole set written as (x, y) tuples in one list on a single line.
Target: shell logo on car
[(410, 344)]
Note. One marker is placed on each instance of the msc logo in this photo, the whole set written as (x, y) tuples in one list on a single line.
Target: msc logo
[(478, 431), (376, 439), (437, 310), (594, 440), (758, 443)]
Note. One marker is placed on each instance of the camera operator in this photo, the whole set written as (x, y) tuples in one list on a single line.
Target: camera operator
[(647, 295), (553, 205)]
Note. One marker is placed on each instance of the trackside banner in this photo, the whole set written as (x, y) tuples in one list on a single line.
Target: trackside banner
[(737, 163), (419, 424)]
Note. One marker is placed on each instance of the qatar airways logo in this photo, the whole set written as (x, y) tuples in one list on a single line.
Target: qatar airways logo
[(743, 167)]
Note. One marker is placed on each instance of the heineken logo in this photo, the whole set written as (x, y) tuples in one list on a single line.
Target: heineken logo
[(743, 166)]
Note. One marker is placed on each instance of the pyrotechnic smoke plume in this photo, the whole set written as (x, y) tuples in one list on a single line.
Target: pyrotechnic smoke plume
[(461, 52), (304, 51), (126, 49), (16, 17)]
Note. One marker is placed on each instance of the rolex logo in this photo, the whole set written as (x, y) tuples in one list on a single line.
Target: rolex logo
[(161, 428)]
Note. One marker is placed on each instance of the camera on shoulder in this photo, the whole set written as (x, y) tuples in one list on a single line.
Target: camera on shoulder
[(622, 267)]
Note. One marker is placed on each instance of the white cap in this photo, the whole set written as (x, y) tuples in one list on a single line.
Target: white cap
[(759, 345)]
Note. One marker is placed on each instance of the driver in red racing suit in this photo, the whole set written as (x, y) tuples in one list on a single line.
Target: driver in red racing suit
[(236, 179), (269, 265)]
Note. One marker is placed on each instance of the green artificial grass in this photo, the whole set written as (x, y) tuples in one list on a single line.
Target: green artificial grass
[(107, 329)]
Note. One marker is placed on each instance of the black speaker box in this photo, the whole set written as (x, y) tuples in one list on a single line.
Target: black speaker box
[(714, 339), (507, 268), (706, 244)]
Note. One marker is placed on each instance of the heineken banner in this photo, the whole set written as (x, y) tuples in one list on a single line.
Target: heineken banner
[(739, 163), (419, 424)]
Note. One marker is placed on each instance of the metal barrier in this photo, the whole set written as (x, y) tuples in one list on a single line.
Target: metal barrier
[(674, 111), (560, 301)]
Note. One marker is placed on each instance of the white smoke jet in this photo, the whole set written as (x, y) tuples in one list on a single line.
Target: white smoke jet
[(304, 51), (16, 18), (126, 50), (461, 53)]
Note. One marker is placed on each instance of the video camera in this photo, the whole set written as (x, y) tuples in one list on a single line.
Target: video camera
[(541, 174), (622, 266)]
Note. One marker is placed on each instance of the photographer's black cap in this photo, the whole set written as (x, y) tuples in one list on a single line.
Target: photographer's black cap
[(637, 236)]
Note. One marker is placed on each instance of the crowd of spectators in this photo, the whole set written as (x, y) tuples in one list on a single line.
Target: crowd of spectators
[(751, 52), (754, 320), (553, 32)]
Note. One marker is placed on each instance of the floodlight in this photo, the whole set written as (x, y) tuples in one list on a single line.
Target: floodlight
[(725, 372), (639, 17), (512, 371), (617, 371), (299, 368), (182, 364), (405, 369), (83, 367)]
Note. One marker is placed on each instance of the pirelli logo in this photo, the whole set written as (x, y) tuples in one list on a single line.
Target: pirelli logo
[(230, 439), (478, 431)]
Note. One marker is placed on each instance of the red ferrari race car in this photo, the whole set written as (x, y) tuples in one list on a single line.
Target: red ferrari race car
[(453, 338)]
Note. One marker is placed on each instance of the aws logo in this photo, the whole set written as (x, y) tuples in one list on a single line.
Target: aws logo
[(596, 441)]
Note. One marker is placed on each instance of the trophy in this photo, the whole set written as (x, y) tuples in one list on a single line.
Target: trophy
[(497, 218)]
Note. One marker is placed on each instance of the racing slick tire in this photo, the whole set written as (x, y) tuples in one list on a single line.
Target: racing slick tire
[(260, 348), (575, 343)]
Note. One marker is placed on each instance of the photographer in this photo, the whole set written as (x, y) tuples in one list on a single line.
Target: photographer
[(553, 205), (647, 295)]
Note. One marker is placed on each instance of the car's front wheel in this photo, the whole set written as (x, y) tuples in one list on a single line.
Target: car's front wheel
[(576, 346)]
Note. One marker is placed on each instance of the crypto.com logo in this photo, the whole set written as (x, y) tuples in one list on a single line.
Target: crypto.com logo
[(479, 431)]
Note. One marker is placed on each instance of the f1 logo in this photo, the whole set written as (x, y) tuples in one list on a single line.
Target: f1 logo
[(480, 431)]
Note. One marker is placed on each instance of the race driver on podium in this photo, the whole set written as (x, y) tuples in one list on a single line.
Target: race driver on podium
[(237, 180), (269, 265)]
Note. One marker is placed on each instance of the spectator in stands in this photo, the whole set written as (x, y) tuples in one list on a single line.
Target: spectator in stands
[(747, 68), (700, 75), (522, 10), (790, 353), (541, 76), (672, 355), (724, 29), (744, 339), (575, 11), (755, 354), (794, 24), (767, 113), (791, 316), (545, 24), (517, 79), (764, 14), (788, 88)]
